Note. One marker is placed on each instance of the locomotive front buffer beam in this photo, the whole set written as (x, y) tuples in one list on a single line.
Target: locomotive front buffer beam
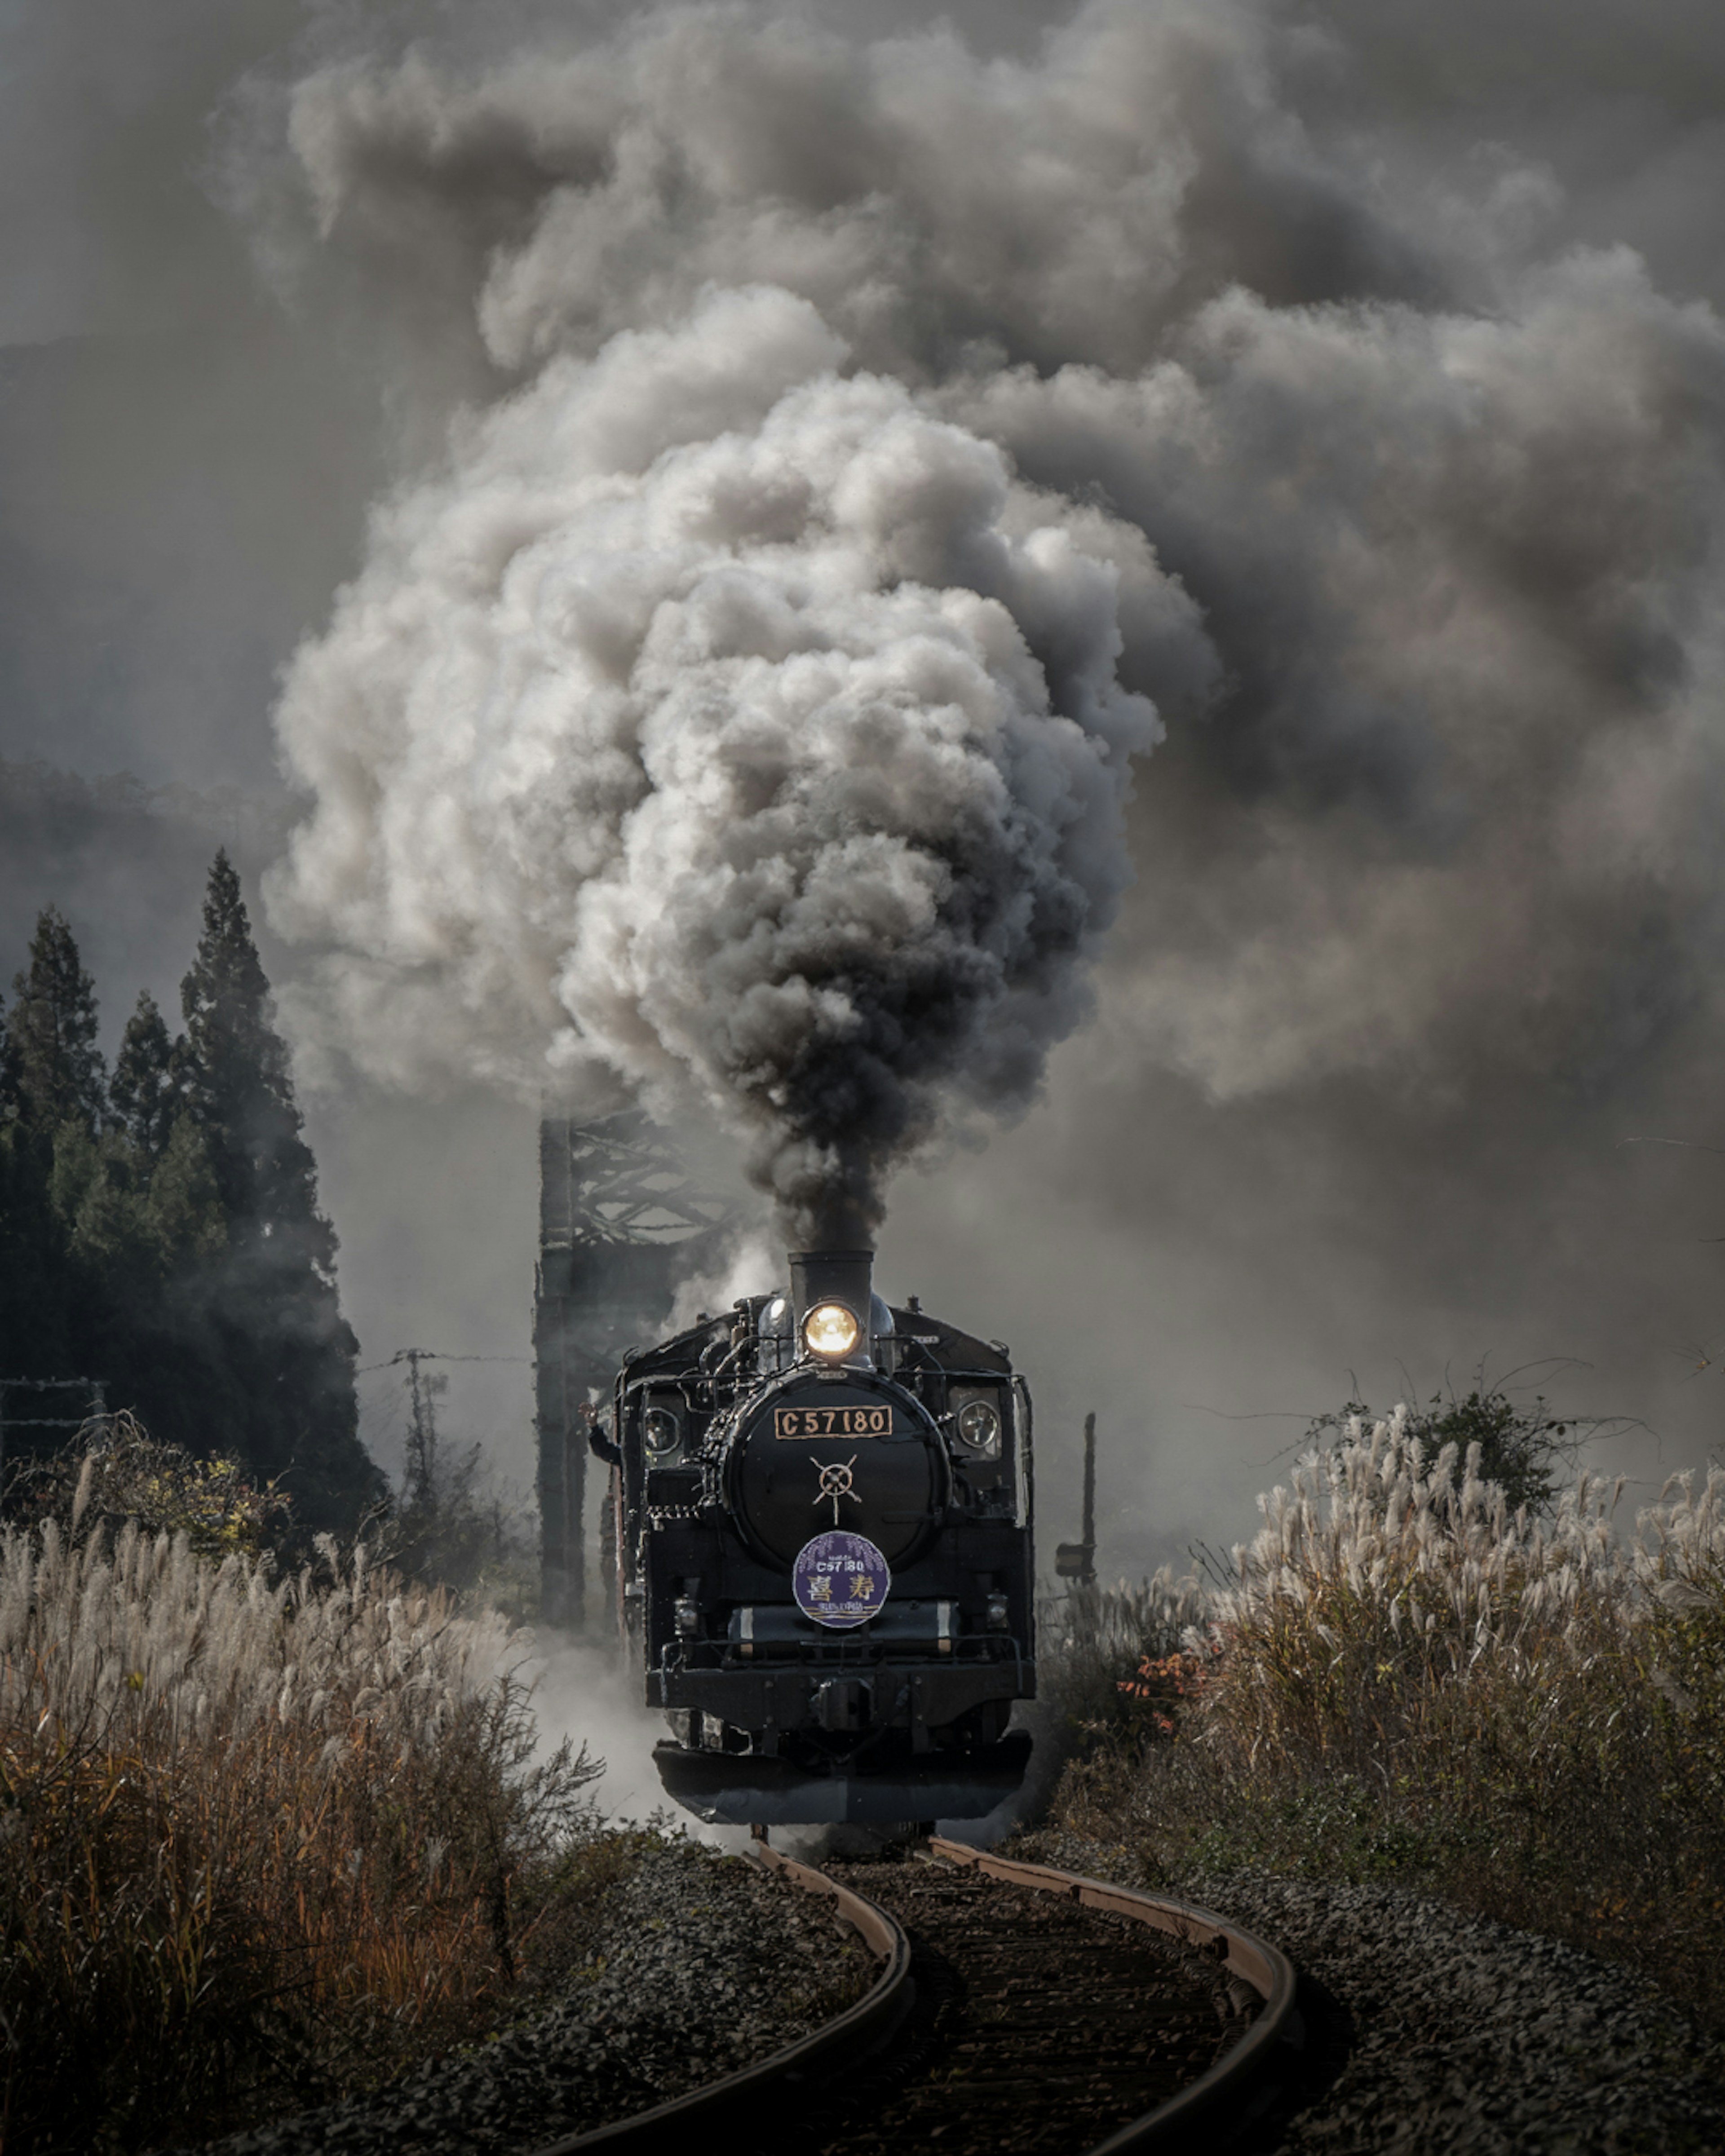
[(886, 1717)]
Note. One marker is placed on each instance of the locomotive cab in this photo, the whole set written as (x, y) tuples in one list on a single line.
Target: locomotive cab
[(825, 1555)]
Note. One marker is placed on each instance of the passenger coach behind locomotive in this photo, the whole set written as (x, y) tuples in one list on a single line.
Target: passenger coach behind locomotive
[(824, 1545)]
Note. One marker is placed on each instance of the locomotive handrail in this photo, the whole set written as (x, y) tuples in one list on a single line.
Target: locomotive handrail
[(858, 2029)]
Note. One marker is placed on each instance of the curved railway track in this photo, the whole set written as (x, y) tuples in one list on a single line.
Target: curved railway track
[(1018, 2008)]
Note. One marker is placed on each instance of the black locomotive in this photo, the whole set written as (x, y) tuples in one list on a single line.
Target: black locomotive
[(824, 1555)]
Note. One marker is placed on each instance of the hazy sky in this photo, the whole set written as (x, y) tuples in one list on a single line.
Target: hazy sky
[(1372, 348)]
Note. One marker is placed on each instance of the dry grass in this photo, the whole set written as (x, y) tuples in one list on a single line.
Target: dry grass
[(1091, 1642), (1407, 1680), (261, 1841)]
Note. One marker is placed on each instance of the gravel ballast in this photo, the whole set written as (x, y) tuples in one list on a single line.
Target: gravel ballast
[(1441, 2033), (1460, 2034), (706, 1964)]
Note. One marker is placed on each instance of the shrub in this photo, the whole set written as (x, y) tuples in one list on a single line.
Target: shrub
[(1088, 1637), (1522, 1448), (260, 1841), (1406, 1678), (115, 1472)]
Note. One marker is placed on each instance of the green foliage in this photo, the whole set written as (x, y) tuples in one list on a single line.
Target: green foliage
[(118, 1473), (1522, 1446), (236, 1075), (59, 1072), (147, 1094), (268, 1314), (163, 1234), (182, 1213), (128, 1215), (36, 1288), (10, 1071)]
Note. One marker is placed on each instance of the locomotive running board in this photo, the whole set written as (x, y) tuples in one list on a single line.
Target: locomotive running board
[(745, 1789)]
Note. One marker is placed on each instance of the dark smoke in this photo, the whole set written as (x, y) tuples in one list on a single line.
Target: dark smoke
[(1391, 332), (784, 764), (1446, 501)]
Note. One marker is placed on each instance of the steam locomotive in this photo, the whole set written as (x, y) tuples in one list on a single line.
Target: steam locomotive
[(824, 1568)]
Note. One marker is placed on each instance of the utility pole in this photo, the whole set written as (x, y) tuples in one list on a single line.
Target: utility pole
[(423, 1393), (1089, 1492), (1078, 1560), (420, 1463)]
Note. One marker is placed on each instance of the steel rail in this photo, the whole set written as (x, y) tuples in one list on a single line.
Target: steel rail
[(856, 2030), (1265, 1968), (863, 2027)]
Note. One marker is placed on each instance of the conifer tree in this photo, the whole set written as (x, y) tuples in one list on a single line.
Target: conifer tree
[(51, 1076), (165, 1233), (237, 1079), (34, 1301), (290, 1353), (146, 1095), (10, 1098), (53, 1032)]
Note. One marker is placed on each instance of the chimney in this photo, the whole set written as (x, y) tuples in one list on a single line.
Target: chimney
[(843, 1276)]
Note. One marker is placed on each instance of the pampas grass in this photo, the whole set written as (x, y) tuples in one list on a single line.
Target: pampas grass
[(1401, 1677), (261, 1839)]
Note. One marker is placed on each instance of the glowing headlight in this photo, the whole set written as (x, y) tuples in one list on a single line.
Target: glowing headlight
[(979, 1427), (660, 1433), (831, 1330)]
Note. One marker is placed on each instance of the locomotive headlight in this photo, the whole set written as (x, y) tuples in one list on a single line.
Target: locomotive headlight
[(832, 1331), (660, 1433), (979, 1428)]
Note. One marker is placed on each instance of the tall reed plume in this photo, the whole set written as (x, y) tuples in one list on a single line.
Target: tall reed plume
[(259, 1837), (1404, 1677)]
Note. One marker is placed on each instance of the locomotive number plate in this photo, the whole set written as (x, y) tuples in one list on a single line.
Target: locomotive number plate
[(832, 1422)]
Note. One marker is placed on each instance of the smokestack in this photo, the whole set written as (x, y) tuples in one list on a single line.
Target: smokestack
[(845, 1276)]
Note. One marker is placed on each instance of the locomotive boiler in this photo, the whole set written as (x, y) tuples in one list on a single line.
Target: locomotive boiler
[(824, 1550)]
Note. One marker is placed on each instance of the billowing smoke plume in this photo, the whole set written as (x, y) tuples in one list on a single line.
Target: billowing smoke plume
[(873, 441), (790, 760)]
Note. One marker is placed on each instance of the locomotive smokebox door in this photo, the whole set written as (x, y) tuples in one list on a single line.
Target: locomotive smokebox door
[(857, 1453)]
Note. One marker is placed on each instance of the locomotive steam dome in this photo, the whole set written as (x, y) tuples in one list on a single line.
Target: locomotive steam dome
[(847, 1449)]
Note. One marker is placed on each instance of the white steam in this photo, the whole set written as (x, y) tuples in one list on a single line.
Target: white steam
[(1467, 575), (720, 724), (871, 434)]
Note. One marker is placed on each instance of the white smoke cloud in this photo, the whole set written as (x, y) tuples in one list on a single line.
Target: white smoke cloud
[(752, 1263), (721, 725), (1466, 571), (880, 429), (924, 198)]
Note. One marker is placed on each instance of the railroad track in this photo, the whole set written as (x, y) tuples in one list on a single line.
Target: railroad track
[(1018, 2008)]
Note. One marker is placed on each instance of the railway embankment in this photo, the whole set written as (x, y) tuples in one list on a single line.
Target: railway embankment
[(1402, 1683), (706, 1964), (1430, 2031), (1425, 2030)]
